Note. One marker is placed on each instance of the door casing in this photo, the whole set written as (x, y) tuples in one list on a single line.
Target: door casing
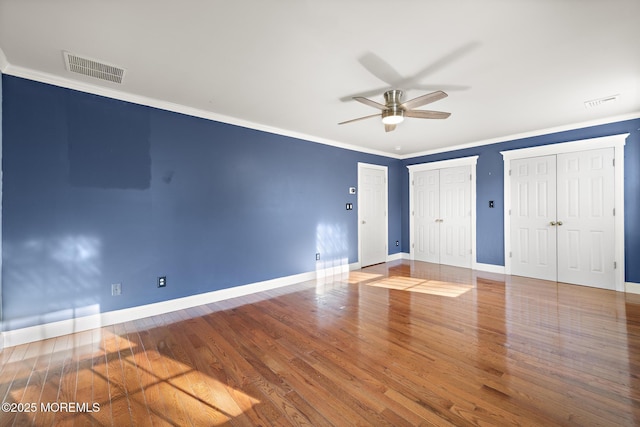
[(361, 213), (462, 161), (616, 142)]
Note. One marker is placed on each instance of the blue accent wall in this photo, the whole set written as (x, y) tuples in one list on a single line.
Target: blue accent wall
[(490, 186), (99, 191)]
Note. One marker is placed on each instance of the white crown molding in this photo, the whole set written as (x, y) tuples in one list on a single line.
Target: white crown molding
[(26, 73), (3, 62), (516, 136), (170, 106)]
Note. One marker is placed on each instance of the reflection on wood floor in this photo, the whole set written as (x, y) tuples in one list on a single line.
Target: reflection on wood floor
[(402, 343)]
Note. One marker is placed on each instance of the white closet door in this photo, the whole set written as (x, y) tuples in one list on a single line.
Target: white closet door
[(586, 244), (455, 216), (533, 217), (442, 216), (426, 216)]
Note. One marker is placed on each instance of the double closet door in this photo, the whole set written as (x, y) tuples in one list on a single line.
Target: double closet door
[(562, 217), (442, 216)]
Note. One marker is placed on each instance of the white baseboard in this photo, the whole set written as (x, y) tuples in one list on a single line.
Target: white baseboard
[(490, 268), (632, 288), (79, 324), (397, 256), (54, 329)]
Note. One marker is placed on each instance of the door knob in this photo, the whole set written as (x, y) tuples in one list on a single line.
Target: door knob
[(553, 223), (559, 222), (364, 222)]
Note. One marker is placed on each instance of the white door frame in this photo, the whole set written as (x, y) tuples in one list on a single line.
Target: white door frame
[(616, 142), (462, 161), (386, 206)]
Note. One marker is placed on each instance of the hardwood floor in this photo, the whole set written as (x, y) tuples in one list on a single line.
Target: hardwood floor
[(397, 344)]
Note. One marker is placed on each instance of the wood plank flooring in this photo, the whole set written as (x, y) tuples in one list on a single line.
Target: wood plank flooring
[(398, 344)]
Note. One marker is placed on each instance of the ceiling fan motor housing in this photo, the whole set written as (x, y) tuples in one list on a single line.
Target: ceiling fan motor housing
[(394, 114), (393, 97)]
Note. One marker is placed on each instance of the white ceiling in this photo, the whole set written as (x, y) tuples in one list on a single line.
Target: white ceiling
[(511, 68)]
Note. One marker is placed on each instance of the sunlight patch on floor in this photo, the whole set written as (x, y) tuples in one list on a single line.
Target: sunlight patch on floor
[(217, 401), (206, 400), (432, 287), (358, 276)]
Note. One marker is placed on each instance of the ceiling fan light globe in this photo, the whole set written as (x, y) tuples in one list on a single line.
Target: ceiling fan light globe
[(392, 117), (392, 120)]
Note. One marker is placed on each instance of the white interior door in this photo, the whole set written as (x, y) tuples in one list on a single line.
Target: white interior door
[(455, 216), (426, 216), (372, 213), (533, 217), (562, 218), (586, 202), (442, 216)]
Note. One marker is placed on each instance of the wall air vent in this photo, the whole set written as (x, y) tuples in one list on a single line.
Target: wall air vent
[(92, 68), (601, 101)]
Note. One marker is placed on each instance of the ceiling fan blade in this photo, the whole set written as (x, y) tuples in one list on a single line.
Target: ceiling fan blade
[(426, 114), (444, 61), (380, 68), (370, 103), (372, 92), (359, 118), (421, 88), (389, 128), (436, 86), (385, 72), (424, 99)]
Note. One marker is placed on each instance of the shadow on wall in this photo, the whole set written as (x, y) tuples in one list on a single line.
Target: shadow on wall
[(66, 285), (333, 246)]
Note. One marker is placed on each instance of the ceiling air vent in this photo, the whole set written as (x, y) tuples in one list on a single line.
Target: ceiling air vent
[(92, 68), (601, 101)]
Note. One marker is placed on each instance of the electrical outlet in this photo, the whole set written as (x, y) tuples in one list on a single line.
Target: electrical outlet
[(318, 256), (162, 281), (116, 289), (397, 243)]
